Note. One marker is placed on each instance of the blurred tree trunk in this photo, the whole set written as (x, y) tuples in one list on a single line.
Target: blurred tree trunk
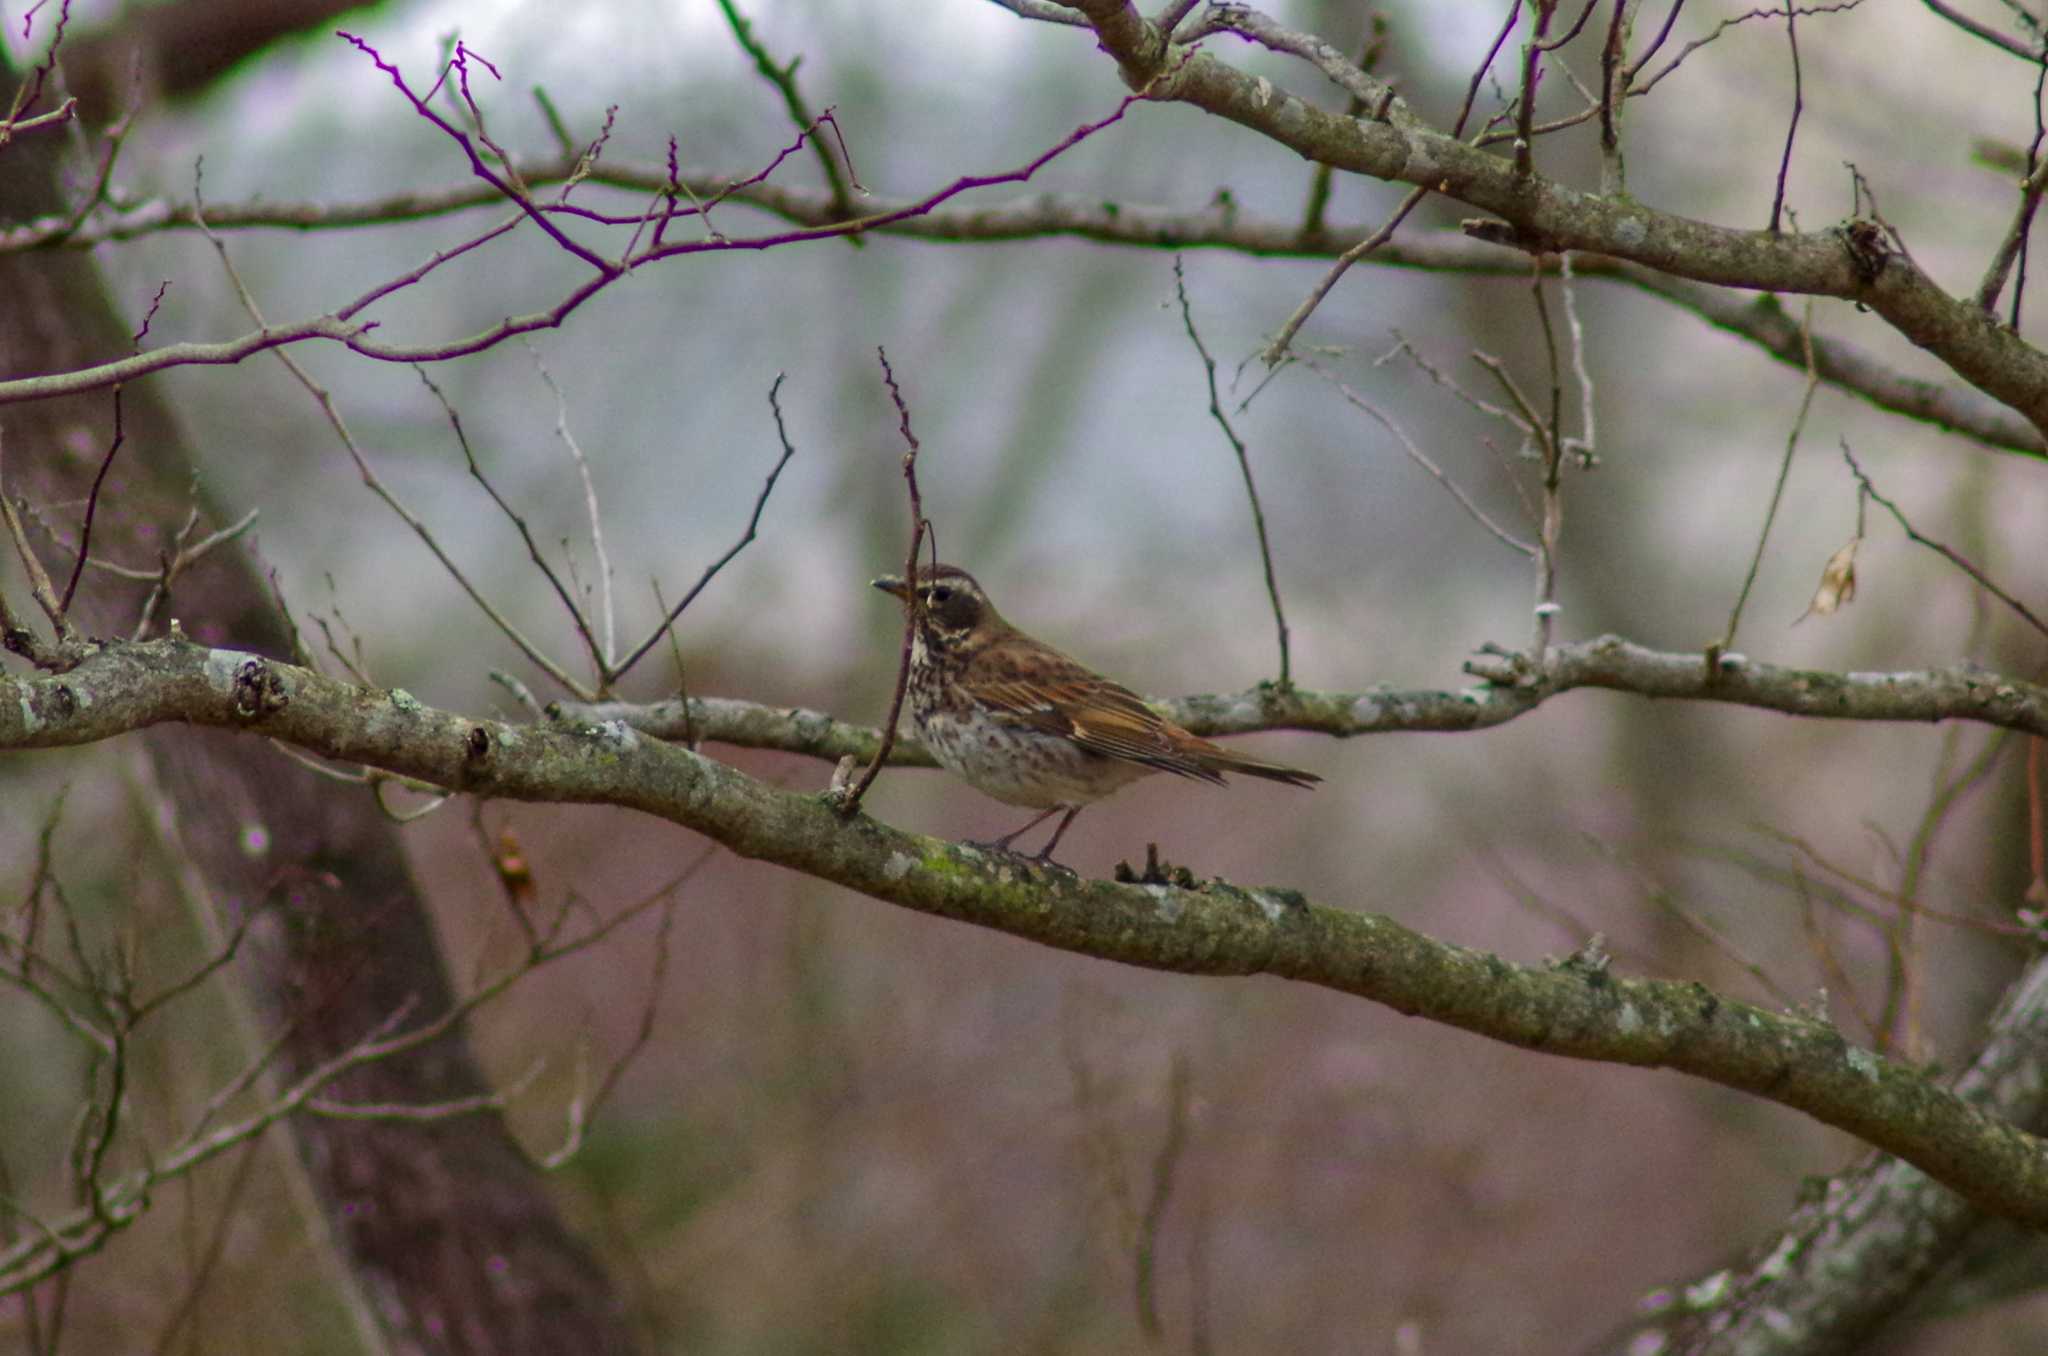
[(180, 48), (448, 1227)]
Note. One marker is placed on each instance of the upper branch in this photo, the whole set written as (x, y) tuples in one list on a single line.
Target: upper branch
[(1762, 320), (1549, 216), (1577, 1009)]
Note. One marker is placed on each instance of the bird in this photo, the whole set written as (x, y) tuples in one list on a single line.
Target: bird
[(1019, 721)]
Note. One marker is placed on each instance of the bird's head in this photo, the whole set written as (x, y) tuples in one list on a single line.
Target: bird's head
[(952, 604)]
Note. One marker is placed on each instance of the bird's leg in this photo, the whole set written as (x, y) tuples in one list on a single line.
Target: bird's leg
[(1003, 844), (1045, 853)]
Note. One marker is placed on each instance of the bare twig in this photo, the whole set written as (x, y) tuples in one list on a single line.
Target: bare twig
[(1805, 11), (563, 593), (1948, 553), (1277, 349), (1416, 455), (2036, 894), (1479, 72), (184, 553), (1551, 442), (1165, 1171), (1614, 97), (1585, 448), (606, 614), (1664, 898), (1532, 73), (675, 651), (1989, 34), (1244, 466), (913, 610), (332, 413), (1791, 124), (507, 187), (1044, 11), (620, 670), (225, 1219), (784, 80), (582, 1111), (341, 326), (40, 588), (1552, 44), (1727, 640), (2014, 243), (1835, 975), (1901, 1020)]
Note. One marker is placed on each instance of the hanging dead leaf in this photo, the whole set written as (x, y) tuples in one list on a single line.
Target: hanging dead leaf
[(1837, 583)]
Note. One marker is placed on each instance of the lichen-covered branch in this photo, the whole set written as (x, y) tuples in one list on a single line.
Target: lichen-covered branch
[(1849, 1258), (1514, 686), (1577, 1008)]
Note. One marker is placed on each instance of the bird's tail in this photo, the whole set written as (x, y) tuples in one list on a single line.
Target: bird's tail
[(1216, 758)]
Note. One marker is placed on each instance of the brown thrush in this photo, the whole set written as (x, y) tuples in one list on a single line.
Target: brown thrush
[(1017, 720)]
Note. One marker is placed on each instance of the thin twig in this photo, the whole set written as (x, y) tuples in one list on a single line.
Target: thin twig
[(1045, 12), (605, 611), (92, 501), (1277, 349), (1561, 39), (1165, 1171), (1836, 976), (582, 1111), (1667, 900), (39, 586), (1946, 794), (1479, 71), (1416, 455), (668, 620), (2036, 895), (563, 593), (2010, 248), (1792, 124), (675, 651), (1614, 101), (913, 611), (1586, 447), (1532, 74), (225, 1223), (176, 561), (332, 413), (1989, 34), (784, 80), (1244, 465), (1948, 553), (1805, 11), (1756, 559), (1551, 443), (120, 436)]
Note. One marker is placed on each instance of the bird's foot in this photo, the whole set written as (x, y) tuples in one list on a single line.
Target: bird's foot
[(1043, 857)]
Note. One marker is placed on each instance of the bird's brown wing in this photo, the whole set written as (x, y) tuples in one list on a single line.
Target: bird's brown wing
[(1101, 716)]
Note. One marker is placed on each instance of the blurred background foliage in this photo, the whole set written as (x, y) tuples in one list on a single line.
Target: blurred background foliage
[(859, 1130)]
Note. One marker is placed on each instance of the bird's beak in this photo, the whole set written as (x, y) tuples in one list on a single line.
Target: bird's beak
[(893, 585)]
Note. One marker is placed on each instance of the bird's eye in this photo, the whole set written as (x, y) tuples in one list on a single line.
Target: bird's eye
[(939, 593)]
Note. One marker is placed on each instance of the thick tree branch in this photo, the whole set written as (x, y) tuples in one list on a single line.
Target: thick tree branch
[(1576, 1008), (1855, 1254)]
